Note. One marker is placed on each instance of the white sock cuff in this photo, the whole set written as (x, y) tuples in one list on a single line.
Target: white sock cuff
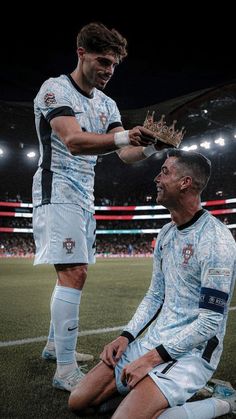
[(70, 295), (222, 407)]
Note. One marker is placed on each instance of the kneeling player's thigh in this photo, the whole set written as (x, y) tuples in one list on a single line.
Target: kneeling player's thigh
[(97, 385), (144, 400)]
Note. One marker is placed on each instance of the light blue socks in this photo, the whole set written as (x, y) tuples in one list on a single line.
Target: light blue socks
[(201, 409), (65, 320)]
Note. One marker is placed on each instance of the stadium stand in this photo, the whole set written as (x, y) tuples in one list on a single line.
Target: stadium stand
[(206, 114), (119, 228)]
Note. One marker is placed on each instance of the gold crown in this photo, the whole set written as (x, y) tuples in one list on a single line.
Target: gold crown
[(163, 132)]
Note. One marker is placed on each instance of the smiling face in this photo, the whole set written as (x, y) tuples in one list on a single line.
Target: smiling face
[(97, 68), (169, 183)]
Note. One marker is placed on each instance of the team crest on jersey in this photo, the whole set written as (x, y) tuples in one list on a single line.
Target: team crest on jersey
[(49, 99), (103, 118), (69, 244), (187, 253)]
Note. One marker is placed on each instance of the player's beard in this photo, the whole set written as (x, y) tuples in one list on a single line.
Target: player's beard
[(102, 80)]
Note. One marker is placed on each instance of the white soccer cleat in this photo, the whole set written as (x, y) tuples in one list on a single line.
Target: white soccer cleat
[(68, 382), (80, 357), (50, 355)]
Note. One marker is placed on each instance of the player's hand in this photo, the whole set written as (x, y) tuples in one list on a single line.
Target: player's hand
[(159, 145), (113, 351), (140, 136), (135, 371)]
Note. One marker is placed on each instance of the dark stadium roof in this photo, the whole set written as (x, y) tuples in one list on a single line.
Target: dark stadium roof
[(180, 63), (172, 51), (206, 114)]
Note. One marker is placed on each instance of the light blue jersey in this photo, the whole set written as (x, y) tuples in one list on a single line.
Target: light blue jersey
[(189, 296), (62, 177)]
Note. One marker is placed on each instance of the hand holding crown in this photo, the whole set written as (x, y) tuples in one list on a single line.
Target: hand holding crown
[(163, 133)]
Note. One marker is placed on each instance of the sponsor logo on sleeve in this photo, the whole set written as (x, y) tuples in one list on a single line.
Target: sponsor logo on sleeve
[(49, 99), (219, 272)]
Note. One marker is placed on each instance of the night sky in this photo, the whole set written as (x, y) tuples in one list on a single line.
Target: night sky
[(171, 52)]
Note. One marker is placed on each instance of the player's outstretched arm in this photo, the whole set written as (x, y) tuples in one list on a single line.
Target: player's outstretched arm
[(88, 143)]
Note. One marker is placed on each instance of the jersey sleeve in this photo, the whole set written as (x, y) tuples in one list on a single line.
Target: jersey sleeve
[(53, 100), (114, 116), (149, 307), (217, 262)]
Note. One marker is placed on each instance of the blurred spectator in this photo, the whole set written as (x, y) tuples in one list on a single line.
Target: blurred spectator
[(130, 249), (18, 245), (153, 244), (18, 198)]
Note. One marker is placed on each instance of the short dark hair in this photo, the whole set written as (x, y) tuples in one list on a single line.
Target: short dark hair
[(96, 37), (193, 164)]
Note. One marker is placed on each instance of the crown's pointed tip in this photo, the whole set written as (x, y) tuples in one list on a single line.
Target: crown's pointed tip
[(165, 133)]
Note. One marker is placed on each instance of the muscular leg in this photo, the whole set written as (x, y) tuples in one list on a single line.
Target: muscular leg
[(145, 401), (96, 386), (72, 276)]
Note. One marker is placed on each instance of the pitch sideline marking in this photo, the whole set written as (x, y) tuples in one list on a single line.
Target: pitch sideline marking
[(83, 333), (44, 338)]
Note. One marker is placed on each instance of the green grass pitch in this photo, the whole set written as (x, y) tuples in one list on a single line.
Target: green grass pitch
[(112, 292)]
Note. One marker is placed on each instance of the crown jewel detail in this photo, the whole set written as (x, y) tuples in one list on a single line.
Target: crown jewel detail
[(162, 131)]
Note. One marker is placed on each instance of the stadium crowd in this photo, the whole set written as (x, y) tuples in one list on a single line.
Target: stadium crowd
[(22, 245), (16, 245)]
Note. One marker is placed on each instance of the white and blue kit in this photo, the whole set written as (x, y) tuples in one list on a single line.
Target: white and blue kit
[(63, 178), (186, 306)]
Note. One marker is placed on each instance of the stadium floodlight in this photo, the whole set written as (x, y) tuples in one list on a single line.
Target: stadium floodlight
[(1, 152), (31, 154), (189, 148), (206, 144), (220, 141)]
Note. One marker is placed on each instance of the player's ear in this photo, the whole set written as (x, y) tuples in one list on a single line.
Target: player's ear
[(80, 51), (186, 182)]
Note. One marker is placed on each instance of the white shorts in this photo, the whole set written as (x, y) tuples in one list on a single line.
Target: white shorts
[(178, 380), (64, 233)]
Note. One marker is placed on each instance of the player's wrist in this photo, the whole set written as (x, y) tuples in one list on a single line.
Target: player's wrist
[(149, 150), (164, 355), (121, 139), (128, 336)]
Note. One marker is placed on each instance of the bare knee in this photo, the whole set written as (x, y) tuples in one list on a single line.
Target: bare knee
[(80, 400), (73, 276), (97, 385), (77, 400)]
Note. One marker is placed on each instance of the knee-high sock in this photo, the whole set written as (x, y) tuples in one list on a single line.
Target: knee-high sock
[(65, 319), (204, 409)]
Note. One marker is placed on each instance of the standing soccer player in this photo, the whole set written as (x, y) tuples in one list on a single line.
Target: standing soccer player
[(76, 121)]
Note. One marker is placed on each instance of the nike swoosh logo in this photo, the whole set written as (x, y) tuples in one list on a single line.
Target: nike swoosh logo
[(72, 328)]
